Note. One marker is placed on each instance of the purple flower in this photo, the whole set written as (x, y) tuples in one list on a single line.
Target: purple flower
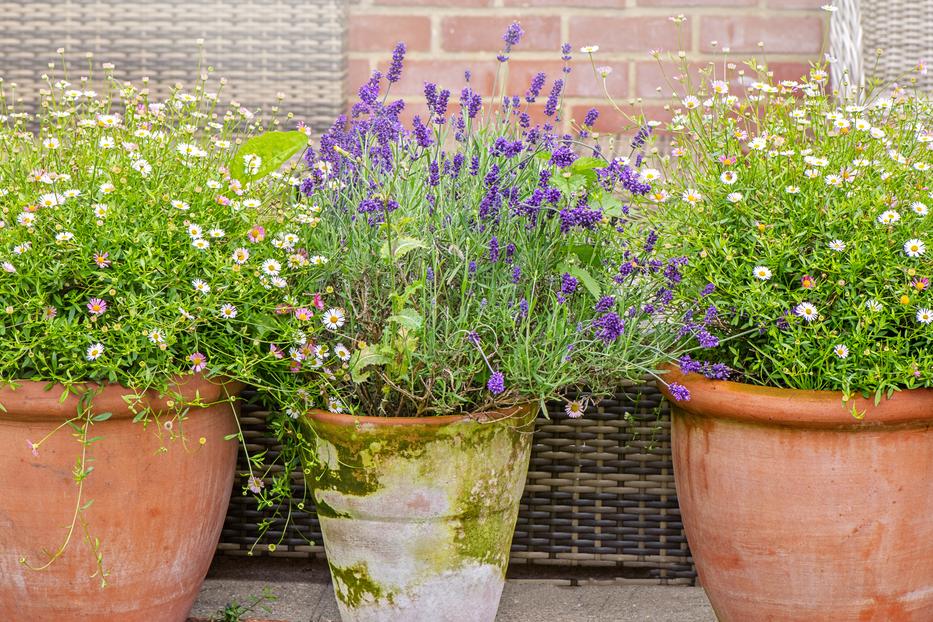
[(496, 383), (430, 95), (565, 52), (429, 275), (255, 484), (568, 284), (471, 102), (434, 174), (517, 275), (494, 249), (580, 216), (641, 137), (553, 99), (651, 241), (537, 83), (563, 156), (440, 106), (522, 309), (422, 133), (513, 34), (709, 289), (605, 304), (474, 166), (679, 392), (608, 327), (467, 75), (590, 118), (395, 69), (472, 267)]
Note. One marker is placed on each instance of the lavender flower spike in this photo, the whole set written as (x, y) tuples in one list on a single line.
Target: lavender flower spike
[(395, 69), (496, 384)]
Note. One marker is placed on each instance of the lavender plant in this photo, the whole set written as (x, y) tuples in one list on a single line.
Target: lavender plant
[(484, 260)]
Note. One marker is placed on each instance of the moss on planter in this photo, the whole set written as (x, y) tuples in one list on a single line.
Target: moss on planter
[(353, 585)]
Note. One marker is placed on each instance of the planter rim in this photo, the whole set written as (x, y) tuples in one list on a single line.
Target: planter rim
[(486, 416), (35, 400), (726, 399)]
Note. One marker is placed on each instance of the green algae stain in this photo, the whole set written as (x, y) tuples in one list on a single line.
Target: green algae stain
[(353, 585)]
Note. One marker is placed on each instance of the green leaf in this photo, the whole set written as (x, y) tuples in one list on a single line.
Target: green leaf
[(362, 359), (400, 247), (581, 165), (274, 149), (408, 317), (585, 277), (102, 417)]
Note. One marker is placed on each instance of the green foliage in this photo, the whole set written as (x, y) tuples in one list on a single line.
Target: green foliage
[(809, 213), (266, 153)]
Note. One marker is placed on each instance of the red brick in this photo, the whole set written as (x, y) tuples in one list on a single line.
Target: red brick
[(650, 74), (624, 34), (357, 73), (793, 35), (380, 33), (446, 74), (581, 82), (443, 3), (698, 3), (484, 34), (797, 4), (589, 4)]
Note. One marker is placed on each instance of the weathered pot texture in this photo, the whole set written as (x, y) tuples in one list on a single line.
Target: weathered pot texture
[(417, 514), (158, 503), (797, 510)]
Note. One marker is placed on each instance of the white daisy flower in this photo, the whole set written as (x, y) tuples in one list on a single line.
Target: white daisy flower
[(156, 336), (271, 267), (807, 311), (918, 208), (200, 286), (729, 177), (51, 199), (735, 197), (833, 180), (840, 350), (762, 273), (889, 217), (240, 256), (19, 249), (200, 243), (195, 231), (251, 203), (574, 409), (94, 352), (228, 311), (215, 233), (691, 196), (335, 406), (180, 205), (100, 210), (924, 316), (318, 260), (837, 245), (650, 174), (342, 352), (690, 102), (914, 247), (8, 267), (589, 49), (64, 236), (333, 319), (792, 189), (26, 219), (107, 188), (51, 143), (142, 167), (278, 282)]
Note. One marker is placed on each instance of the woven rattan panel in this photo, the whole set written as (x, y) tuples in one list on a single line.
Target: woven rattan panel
[(600, 493), (903, 29), (293, 47)]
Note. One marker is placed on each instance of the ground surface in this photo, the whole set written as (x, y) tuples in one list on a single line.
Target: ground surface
[(305, 595)]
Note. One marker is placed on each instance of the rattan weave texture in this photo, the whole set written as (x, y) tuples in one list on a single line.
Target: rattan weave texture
[(293, 47), (600, 493)]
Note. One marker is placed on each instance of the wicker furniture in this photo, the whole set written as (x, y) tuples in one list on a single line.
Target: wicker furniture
[(900, 28), (600, 493), (293, 47)]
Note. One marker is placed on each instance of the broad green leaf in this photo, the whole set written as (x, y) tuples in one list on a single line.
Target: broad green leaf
[(102, 417), (400, 247), (273, 148), (362, 359), (408, 317), (581, 165), (585, 277)]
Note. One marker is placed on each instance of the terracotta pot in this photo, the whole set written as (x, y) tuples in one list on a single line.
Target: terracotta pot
[(157, 514), (796, 510), (417, 514)]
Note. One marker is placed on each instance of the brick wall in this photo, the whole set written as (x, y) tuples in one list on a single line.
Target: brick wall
[(444, 37)]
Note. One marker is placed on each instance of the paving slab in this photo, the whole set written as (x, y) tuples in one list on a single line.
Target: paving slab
[(304, 594)]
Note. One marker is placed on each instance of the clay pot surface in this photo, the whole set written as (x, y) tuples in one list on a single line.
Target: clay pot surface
[(417, 514), (158, 503), (796, 510)]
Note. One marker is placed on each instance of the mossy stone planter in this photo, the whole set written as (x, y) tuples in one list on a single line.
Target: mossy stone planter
[(417, 514)]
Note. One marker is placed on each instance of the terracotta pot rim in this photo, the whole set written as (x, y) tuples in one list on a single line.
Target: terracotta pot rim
[(35, 400), (486, 416), (726, 399)]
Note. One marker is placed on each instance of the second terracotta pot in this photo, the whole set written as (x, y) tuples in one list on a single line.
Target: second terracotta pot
[(795, 510), (158, 496), (417, 514)]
